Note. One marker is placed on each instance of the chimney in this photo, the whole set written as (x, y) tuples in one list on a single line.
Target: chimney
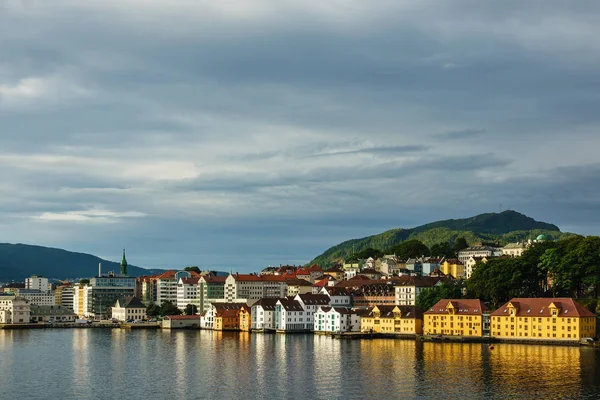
[(99, 269)]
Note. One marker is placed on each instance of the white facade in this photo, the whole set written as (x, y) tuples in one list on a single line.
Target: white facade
[(290, 317), (263, 314), (188, 292), (14, 310), (254, 287), (311, 303), (338, 297), (38, 297), (38, 283), (477, 251), (166, 286), (406, 293), (330, 319)]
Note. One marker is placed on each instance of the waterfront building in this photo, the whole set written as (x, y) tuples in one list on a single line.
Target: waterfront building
[(14, 310), (393, 319), (310, 304), (337, 319), (78, 297), (290, 316), (181, 322), (477, 251), (263, 315), (252, 287), (146, 289), (408, 288), (454, 268), (38, 283), (543, 319), (188, 293), (129, 308), (449, 317), (52, 314), (208, 318)]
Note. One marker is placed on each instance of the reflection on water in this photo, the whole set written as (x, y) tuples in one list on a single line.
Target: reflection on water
[(138, 364)]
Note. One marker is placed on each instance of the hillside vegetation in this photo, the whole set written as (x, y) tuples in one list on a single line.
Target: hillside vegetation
[(19, 261), (498, 228)]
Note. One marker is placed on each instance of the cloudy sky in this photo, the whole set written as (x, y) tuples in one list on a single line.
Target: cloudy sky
[(238, 134)]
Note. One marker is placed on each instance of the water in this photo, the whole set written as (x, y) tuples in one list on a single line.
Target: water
[(138, 364)]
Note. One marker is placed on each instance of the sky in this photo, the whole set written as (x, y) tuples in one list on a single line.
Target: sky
[(234, 135)]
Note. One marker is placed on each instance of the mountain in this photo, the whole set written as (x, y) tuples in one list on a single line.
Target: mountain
[(19, 261), (507, 226)]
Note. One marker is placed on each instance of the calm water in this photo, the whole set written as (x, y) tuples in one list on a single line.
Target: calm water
[(120, 364)]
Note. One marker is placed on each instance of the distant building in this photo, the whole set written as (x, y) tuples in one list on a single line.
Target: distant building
[(476, 251), (454, 268), (38, 283), (129, 308), (64, 296), (52, 314), (515, 249), (254, 287), (37, 297), (408, 288), (14, 310), (188, 293), (211, 289)]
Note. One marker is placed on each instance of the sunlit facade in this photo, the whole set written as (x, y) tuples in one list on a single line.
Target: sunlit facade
[(455, 318)]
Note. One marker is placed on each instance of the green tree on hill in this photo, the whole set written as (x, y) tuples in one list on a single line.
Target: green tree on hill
[(193, 268), (409, 249), (460, 244)]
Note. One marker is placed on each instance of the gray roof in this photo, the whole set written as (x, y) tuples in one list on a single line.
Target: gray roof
[(130, 302), (50, 310)]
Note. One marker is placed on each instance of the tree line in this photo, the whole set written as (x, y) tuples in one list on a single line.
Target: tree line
[(414, 248)]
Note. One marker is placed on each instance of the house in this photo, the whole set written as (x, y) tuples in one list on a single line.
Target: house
[(453, 267), (311, 303), (471, 264), (515, 249), (408, 288), (303, 273), (543, 319), (52, 314), (208, 319), (14, 310), (129, 308), (336, 272), (181, 322), (337, 319), (245, 319), (393, 319), (414, 265), (370, 273), (338, 296), (429, 264), (315, 272), (320, 284), (263, 315), (298, 286), (290, 316), (449, 317)]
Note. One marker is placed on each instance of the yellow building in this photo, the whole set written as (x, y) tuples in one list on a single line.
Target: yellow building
[(543, 319), (454, 268), (245, 320), (455, 318), (227, 320), (393, 319)]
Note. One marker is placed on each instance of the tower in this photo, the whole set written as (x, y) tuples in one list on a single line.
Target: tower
[(124, 264)]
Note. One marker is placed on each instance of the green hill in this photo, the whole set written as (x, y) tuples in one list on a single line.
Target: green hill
[(19, 261), (505, 227)]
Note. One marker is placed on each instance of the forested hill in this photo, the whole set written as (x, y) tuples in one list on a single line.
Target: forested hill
[(501, 228), (19, 261)]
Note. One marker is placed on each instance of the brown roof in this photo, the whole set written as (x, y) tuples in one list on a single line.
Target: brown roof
[(266, 303), (462, 307), (537, 307), (418, 281), (190, 281), (315, 268), (291, 305), (214, 279), (314, 299), (297, 282)]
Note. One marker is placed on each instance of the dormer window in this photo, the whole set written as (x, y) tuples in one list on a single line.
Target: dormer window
[(554, 312)]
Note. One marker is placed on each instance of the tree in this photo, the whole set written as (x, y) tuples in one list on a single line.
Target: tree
[(168, 308), (366, 253), (192, 268), (447, 290), (153, 310), (460, 244), (442, 250), (84, 281), (191, 309), (409, 249)]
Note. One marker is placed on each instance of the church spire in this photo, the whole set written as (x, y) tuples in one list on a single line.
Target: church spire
[(124, 264)]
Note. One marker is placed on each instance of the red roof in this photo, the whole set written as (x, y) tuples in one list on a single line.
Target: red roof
[(315, 267), (214, 279), (190, 281), (167, 274), (537, 307), (462, 307)]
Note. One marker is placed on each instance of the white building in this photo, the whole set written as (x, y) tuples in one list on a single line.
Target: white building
[(338, 296), (263, 315), (471, 263), (515, 249), (477, 251), (207, 318), (129, 309), (290, 316), (408, 288), (337, 319), (166, 286), (254, 287), (311, 303), (37, 297), (188, 293), (14, 310), (38, 283)]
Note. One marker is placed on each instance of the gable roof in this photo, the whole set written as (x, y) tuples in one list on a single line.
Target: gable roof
[(268, 304), (190, 281), (290, 304), (462, 307), (129, 302), (540, 307), (314, 299)]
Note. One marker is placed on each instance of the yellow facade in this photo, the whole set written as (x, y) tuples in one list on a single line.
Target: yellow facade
[(388, 319), (455, 318), (245, 322), (453, 268), (542, 319)]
